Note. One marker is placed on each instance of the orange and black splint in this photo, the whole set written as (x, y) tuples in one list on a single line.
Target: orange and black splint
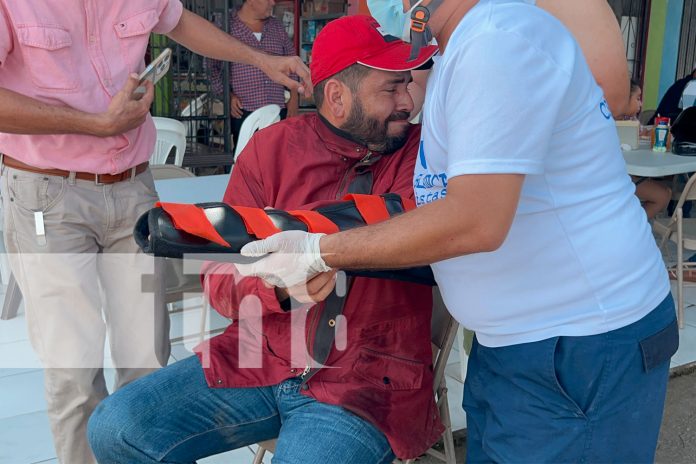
[(173, 230)]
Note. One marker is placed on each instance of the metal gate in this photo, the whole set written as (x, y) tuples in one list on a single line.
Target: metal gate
[(632, 16), (186, 94)]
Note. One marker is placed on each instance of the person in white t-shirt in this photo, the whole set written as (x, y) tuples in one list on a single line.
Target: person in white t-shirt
[(537, 241), (592, 23)]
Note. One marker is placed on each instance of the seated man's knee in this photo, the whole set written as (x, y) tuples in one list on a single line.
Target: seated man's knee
[(105, 429)]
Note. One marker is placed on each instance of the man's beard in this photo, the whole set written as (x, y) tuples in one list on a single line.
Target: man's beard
[(372, 132)]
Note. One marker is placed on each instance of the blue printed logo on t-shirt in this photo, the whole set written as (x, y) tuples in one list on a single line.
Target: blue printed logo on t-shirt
[(428, 186), (421, 155), (604, 108)]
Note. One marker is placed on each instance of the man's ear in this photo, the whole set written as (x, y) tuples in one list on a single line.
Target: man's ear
[(336, 98)]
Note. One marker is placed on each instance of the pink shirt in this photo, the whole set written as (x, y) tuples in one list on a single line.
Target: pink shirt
[(79, 54)]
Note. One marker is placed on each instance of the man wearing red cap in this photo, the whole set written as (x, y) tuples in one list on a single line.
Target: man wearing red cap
[(374, 399)]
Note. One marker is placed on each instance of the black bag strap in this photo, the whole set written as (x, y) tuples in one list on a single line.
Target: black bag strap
[(325, 332)]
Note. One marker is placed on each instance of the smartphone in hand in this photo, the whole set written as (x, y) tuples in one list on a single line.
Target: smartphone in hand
[(155, 71)]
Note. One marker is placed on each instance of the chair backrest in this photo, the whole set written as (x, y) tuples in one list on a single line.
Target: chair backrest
[(645, 116), (196, 107), (688, 193), (443, 331), (169, 171), (171, 133), (263, 117)]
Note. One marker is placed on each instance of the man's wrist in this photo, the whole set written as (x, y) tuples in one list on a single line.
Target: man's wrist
[(99, 125), (325, 247), (259, 59)]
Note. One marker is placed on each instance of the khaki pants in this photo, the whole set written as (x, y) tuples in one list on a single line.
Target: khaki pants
[(81, 279)]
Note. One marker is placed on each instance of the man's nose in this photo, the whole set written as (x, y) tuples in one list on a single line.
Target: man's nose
[(405, 102)]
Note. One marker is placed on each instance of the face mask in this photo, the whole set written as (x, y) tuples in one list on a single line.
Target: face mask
[(394, 21), (390, 15)]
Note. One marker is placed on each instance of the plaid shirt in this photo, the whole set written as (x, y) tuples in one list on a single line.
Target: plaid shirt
[(251, 85)]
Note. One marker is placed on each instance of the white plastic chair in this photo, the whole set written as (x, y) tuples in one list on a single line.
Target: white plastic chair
[(263, 117), (195, 107), (170, 133)]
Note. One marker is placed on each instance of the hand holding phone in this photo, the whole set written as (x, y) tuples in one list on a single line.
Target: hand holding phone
[(154, 71)]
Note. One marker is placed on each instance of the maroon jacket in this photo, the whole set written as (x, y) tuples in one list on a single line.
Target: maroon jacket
[(384, 374)]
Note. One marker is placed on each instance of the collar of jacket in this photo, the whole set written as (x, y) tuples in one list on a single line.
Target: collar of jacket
[(337, 140)]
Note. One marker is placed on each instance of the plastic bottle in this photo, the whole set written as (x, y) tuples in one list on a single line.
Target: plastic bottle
[(661, 134)]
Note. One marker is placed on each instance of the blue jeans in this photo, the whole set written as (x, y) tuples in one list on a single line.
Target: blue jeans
[(172, 416), (588, 399)]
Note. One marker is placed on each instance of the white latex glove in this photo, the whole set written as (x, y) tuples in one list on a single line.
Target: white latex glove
[(293, 257)]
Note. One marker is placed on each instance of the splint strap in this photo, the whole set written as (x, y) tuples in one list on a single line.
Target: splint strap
[(192, 219), (256, 221), (315, 222), (371, 207)]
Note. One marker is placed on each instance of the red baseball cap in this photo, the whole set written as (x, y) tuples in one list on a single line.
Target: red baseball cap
[(359, 39)]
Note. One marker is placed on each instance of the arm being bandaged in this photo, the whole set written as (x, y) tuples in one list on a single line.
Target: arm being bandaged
[(173, 230)]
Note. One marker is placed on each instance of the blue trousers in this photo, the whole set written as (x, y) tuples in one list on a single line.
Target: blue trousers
[(587, 399), (172, 416)]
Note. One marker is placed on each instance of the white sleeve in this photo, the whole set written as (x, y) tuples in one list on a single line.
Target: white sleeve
[(502, 102)]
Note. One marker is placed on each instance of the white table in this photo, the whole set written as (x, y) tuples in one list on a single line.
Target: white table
[(646, 163), (199, 189)]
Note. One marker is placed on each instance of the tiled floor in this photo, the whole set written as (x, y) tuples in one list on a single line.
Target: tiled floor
[(24, 431)]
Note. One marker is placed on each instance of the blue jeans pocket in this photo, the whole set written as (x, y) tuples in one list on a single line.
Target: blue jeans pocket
[(659, 347)]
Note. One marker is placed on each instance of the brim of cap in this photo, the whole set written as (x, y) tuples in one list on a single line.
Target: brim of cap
[(395, 58)]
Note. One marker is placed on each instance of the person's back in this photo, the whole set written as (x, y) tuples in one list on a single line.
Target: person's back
[(671, 103)]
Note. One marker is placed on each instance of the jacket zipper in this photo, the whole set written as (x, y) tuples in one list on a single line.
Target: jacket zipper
[(365, 160)]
